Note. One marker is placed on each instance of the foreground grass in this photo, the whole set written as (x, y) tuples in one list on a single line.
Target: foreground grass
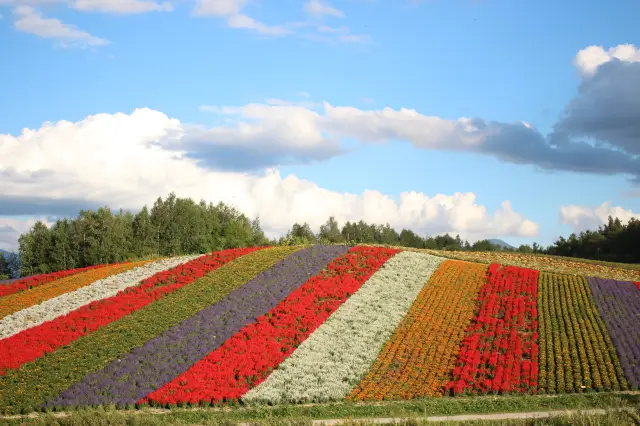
[(303, 414)]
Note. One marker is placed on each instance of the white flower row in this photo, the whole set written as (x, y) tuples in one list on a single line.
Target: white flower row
[(339, 353), (68, 302)]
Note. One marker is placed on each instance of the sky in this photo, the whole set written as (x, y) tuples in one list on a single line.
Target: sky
[(484, 118)]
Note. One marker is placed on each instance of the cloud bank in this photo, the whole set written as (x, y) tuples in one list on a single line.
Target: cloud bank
[(123, 165)]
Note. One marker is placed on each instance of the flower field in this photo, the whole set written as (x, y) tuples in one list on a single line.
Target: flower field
[(576, 352), (299, 324)]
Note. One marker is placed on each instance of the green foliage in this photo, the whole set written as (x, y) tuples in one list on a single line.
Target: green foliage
[(484, 245), (413, 409), (613, 242), (5, 272), (173, 226)]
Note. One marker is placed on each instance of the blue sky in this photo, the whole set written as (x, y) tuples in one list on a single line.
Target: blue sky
[(230, 97)]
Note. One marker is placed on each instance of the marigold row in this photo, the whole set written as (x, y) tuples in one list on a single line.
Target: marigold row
[(36, 280)]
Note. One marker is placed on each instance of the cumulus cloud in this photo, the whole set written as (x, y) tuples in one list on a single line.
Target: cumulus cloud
[(607, 106), (581, 218), (276, 133), (29, 20), (589, 59), (125, 165)]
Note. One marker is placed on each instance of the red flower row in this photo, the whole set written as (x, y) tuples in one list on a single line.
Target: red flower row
[(248, 357), (36, 280), (34, 342), (637, 284), (500, 352)]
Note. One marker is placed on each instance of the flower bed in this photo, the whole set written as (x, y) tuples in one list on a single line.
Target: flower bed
[(26, 283), (42, 380), (418, 359), (335, 357), (574, 344), (22, 300), (34, 342), (147, 368), (619, 305), (500, 351), (250, 355)]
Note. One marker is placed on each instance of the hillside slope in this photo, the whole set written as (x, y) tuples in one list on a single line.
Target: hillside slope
[(312, 324)]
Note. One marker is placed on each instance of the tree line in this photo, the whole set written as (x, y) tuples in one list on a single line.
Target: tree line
[(177, 226), (612, 242)]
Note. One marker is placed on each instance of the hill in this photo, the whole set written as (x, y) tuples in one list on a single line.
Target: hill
[(313, 324), (5, 253), (501, 243)]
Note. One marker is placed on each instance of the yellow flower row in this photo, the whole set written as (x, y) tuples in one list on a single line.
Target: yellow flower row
[(574, 355), (418, 359), (25, 299)]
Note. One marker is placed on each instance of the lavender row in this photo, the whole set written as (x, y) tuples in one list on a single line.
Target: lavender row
[(618, 303), (161, 359)]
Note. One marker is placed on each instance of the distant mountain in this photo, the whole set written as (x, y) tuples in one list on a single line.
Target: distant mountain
[(500, 243), (5, 253)]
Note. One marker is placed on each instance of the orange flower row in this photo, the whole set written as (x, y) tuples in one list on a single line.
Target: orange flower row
[(574, 342), (418, 359), (25, 299)]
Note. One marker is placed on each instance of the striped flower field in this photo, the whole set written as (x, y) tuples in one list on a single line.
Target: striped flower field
[(300, 324)]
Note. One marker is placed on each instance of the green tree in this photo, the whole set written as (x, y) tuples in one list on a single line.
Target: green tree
[(5, 272), (330, 231)]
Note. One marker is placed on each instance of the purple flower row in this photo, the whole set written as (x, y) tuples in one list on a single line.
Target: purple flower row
[(170, 354), (618, 303)]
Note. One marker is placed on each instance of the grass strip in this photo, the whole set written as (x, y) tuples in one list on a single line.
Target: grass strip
[(35, 383), (285, 414)]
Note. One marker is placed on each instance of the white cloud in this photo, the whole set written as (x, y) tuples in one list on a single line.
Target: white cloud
[(589, 59), (221, 8), (123, 166), (29, 20), (304, 94), (318, 8), (231, 10), (123, 7), (246, 22), (581, 218)]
